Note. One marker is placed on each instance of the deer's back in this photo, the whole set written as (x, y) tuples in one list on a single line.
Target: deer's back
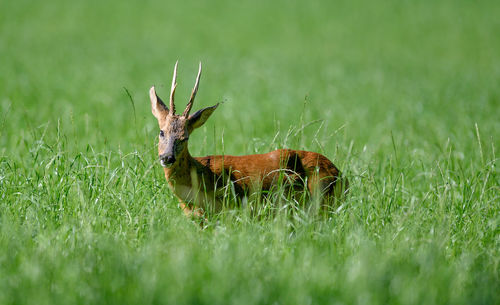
[(265, 169)]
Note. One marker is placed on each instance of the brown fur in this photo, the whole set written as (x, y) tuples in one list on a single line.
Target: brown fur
[(203, 176), (202, 183)]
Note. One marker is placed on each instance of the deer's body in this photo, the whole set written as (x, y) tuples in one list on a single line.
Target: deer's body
[(203, 182)]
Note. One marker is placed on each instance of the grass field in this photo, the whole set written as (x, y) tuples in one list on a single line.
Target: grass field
[(403, 96)]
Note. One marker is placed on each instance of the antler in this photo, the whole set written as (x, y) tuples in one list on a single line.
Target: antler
[(193, 94), (172, 90)]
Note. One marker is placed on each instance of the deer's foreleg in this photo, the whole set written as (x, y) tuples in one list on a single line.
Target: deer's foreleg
[(190, 211)]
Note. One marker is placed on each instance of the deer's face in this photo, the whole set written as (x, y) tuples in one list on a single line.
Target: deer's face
[(175, 129), (173, 139)]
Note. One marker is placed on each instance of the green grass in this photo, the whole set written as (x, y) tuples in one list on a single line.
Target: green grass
[(404, 97)]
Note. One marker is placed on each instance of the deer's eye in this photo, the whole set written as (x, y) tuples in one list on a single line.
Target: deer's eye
[(162, 134)]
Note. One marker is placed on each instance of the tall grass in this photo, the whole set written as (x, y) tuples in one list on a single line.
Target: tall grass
[(403, 97)]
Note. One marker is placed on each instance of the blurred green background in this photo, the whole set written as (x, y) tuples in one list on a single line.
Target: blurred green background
[(363, 66), (403, 96)]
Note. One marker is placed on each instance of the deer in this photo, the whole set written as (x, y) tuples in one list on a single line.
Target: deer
[(201, 183)]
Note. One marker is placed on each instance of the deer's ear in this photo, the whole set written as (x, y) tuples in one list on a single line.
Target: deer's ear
[(200, 117), (158, 108)]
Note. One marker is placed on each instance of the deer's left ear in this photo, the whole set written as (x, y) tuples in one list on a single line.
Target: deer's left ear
[(158, 108), (200, 117)]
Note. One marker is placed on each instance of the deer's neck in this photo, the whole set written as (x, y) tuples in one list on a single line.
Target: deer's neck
[(189, 179), (180, 171), (187, 171)]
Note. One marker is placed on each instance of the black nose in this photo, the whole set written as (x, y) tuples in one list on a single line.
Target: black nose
[(167, 159), (170, 159)]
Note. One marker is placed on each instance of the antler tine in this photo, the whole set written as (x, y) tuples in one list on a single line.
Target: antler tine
[(193, 93), (172, 90)]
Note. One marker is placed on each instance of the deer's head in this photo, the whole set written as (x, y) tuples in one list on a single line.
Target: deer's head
[(176, 129)]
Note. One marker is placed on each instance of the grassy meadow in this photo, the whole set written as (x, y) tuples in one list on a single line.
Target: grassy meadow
[(403, 96)]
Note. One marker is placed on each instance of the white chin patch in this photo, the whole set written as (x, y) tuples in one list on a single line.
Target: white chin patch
[(164, 164)]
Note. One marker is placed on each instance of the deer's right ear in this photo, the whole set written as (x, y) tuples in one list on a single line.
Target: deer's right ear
[(200, 117), (158, 108)]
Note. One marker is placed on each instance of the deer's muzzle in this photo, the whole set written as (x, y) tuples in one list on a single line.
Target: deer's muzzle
[(167, 160)]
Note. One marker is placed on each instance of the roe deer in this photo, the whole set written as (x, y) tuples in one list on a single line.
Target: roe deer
[(199, 182)]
